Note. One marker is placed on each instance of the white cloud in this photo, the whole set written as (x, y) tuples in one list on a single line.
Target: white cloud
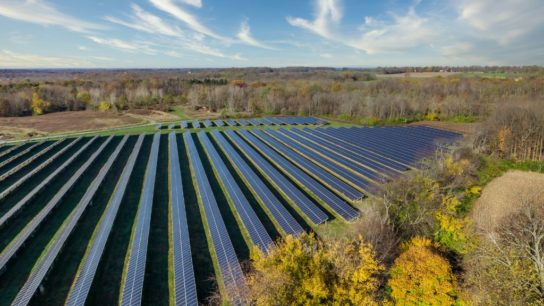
[(41, 12), (146, 22), (245, 36), (9, 59), (328, 13), (123, 45), (191, 21), (402, 33), (503, 21), (195, 3)]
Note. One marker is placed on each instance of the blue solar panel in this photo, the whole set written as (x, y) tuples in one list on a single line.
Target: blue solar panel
[(334, 202), (132, 286), (87, 269), (184, 279), (196, 124), (22, 164), (376, 164), (318, 172), (184, 124), (350, 165), (231, 122), (219, 123), (207, 123), (243, 122), (230, 270), (335, 169), (359, 150), (305, 205), (286, 223), (45, 262), (251, 222), (29, 229)]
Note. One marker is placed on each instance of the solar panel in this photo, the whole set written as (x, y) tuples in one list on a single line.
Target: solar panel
[(334, 157), (30, 159), (184, 278), (207, 123), (243, 122), (54, 247), (184, 124), (196, 124), (233, 280), (23, 179), (305, 205), (317, 172), (231, 122), (29, 196), (87, 269), (134, 272), (267, 121), (275, 121), (219, 123), (19, 154), (247, 215), (340, 207), (333, 168), (359, 150), (280, 216), (10, 149), (373, 164)]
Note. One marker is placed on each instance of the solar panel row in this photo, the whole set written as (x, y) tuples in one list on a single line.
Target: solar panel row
[(281, 217), (87, 269), (305, 205), (21, 153), (184, 278), (342, 173), (334, 202), (317, 172), (233, 281), (30, 195), (10, 149), (134, 272), (55, 245), (247, 215), (29, 229), (30, 159)]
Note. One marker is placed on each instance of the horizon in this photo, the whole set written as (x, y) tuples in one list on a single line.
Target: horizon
[(201, 34)]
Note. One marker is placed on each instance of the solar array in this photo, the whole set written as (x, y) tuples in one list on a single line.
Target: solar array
[(207, 123), (52, 250), (253, 225), (286, 223), (87, 269), (289, 178), (184, 278), (133, 283), (233, 280)]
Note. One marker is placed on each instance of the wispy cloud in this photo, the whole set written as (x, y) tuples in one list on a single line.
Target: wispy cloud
[(41, 12), (191, 21), (245, 36), (10, 59), (123, 45), (399, 34), (195, 3), (328, 13), (503, 21), (146, 22)]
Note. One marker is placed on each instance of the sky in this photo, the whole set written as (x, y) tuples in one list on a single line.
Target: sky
[(273, 33)]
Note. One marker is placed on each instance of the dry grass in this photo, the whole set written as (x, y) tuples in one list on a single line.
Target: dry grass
[(504, 195)]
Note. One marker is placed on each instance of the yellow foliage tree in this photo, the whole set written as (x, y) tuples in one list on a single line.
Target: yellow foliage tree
[(306, 271), (39, 105), (421, 276), (104, 106)]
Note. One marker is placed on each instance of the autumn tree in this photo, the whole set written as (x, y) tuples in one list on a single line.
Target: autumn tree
[(39, 105), (307, 271), (421, 276)]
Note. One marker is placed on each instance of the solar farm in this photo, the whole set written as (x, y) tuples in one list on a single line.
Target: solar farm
[(170, 217)]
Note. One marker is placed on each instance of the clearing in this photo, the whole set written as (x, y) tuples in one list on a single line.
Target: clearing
[(503, 196)]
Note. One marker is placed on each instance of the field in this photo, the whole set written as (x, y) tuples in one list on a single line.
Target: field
[(170, 217)]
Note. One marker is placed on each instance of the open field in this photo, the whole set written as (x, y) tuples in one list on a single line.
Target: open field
[(237, 187)]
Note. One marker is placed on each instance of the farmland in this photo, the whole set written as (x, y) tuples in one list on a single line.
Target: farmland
[(171, 217)]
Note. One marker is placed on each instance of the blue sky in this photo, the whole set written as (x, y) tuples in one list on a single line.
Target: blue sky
[(276, 33)]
